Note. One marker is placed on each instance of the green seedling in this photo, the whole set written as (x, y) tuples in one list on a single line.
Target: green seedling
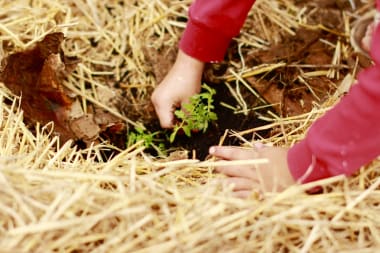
[(196, 115), (149, 139)]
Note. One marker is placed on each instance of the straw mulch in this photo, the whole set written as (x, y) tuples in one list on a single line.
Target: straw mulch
[(55, 197)]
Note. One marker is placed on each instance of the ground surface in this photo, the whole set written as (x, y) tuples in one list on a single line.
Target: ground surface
[(285, 77), (285, 88), (56, 198)]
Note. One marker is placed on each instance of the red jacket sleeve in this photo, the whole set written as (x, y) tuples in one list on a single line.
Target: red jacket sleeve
[(346, 137), (211, 26)]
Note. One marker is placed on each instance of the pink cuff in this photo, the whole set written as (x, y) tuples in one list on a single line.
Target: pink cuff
[(203, 44), (301, 164)]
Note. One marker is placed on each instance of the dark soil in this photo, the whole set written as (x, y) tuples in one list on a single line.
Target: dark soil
[(227, 120)]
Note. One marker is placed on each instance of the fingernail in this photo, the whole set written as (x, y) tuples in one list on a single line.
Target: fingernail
[(212, 150)]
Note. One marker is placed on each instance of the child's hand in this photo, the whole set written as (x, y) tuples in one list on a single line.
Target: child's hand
[(182, 81), (273, 176)]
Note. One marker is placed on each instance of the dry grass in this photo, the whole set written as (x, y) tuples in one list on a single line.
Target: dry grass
[(56, 198)]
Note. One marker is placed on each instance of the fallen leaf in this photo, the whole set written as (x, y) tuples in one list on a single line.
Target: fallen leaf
[(36, 74)]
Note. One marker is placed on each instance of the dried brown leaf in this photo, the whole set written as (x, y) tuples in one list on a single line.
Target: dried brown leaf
[(36, 74)]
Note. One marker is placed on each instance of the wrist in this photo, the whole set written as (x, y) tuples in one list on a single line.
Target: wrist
[(187, 62)]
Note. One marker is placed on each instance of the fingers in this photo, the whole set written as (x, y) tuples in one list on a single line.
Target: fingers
[(242, 194), (233, 153), (182, 81), (165, 100), (165, 115), (164, 109), (244, 188), (240, 184), (272, 176), (244, 178), (238, 171)]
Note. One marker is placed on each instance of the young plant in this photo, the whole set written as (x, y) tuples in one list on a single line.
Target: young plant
[(195, 115), (149, 139)]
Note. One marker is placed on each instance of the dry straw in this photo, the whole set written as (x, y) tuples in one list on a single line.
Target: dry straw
[(56, 198)]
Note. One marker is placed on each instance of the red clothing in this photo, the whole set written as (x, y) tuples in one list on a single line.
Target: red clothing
[(348, 136), (344, 139), (211, 26)]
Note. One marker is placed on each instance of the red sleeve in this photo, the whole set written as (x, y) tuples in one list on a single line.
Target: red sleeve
[(211, 26), (346, 137)]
